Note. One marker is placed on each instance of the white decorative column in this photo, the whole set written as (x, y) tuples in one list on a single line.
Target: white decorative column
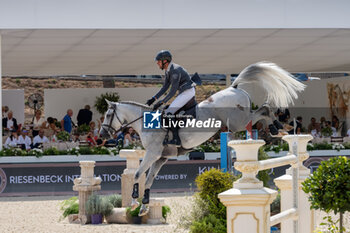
[(155, 211), (132, 164), (284, 183), (85, 185), (248, 202)]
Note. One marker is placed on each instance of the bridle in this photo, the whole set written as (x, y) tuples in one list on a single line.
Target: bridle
[(122, 127)]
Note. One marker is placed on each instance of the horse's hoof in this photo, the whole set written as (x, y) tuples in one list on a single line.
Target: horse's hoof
[(134, 204), (143, 210)]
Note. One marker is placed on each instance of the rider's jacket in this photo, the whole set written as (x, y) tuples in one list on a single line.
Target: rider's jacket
[(178, 78)]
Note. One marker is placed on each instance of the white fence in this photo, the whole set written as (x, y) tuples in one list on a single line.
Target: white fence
[(248, 202)]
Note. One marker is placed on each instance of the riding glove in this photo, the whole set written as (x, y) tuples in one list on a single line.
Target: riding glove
[(157, 105), (151, 101)]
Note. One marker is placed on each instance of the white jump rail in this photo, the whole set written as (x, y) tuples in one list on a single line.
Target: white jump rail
[(248, 203)]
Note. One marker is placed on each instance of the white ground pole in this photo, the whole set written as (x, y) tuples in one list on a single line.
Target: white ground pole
[(228, 80), (0, 96)]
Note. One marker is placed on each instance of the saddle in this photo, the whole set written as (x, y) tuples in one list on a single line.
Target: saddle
[(189, 108)]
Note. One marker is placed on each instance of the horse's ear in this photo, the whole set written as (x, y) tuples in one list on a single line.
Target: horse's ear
[(108, 102)]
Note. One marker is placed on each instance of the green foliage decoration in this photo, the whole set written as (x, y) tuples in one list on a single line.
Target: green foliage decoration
[(329, 186), (101, 104), (69, 206), (63, 136)]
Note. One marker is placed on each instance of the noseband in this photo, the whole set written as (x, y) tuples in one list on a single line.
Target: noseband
[(122, 127)]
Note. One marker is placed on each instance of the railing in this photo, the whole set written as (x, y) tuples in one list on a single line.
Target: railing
[(248, 203)]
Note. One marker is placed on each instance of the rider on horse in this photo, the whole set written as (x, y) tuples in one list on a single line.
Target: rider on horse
[(180, 80)]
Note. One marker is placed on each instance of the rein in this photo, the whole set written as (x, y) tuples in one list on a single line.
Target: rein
[(122, 127)]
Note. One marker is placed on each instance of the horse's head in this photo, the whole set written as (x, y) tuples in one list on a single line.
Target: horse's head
[(113, 121)]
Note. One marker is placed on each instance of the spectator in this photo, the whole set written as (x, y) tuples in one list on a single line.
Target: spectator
[(100, 122), (76, 137), (127, 137), (93, 128), (84, 116), (5, 110), (38, 123), (262, 133), (12, 140), (66, 122), (348, 133), (312, 125), (283, 115), (299, 125), (39, 139), (9, 123), (322, 122), (335, 122), (91, 139), (316, 132), (24, 140)]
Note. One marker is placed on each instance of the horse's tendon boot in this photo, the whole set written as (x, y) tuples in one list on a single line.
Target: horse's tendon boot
[(145, 199), (135, 191)]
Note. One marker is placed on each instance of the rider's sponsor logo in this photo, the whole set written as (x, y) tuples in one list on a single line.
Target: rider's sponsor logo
[(3, 180), (151, 120)]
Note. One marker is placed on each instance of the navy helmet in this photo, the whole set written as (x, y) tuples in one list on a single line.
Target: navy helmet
[(163, 55)]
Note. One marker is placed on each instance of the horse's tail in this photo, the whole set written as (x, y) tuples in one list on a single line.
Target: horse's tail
[(281, 87)]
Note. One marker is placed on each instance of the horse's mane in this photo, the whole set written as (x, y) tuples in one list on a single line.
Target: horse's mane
[(136, 104)]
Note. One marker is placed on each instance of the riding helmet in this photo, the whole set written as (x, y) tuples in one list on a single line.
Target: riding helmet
[(164, 55)]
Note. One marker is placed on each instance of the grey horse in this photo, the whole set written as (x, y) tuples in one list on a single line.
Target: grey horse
[(231, 106)]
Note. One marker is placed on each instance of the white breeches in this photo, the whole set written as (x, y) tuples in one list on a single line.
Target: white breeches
[(181, 100)]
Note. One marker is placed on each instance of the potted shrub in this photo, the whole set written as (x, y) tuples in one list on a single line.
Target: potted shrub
[(165, 211), (134, 214), (328, 188), (70, 206), (94, 208), (101, 104)]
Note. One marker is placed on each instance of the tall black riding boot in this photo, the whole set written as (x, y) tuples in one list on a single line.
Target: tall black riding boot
[(176, 139)]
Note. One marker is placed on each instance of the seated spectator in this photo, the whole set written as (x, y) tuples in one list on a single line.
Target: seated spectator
[(316, 131), (322, 122), (76, 137), (12, 140), (91, 139), (38, 122), (100, 141), (263, 133), (114, 141), (283, 115), (100, 122), (50, 127), (9, 123), (312, 125), (39, 139), (67, 123), (127, 137), (94, 129), (335, 122), (84, 116), (24, 140), (299, 125)]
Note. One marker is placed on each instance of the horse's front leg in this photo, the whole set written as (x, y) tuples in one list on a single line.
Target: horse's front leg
[(146, 163), (155, 168)]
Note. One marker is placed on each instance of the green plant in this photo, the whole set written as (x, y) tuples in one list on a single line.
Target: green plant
[(115, 200), (275, 206), (62, 84), (263, 175), (35, 152), (70, 206), (209, 224), (94, 205), (133, 213), (101, 104), (106, 206), (326, 132), (51, 151), (211, 183), (18, 81), (329, 186), (63, 136), (84, 128), (165, 211)]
